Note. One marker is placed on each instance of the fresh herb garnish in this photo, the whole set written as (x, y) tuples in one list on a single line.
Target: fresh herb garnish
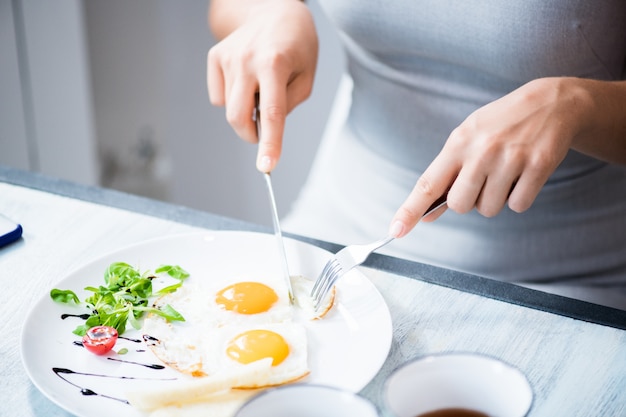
[(124, 297), (64, 296)]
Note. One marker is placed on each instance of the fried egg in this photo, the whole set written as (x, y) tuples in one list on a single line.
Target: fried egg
[(302, 287), (248, 300), (220, 350), (234, 347), (231, 323), (179, 345)]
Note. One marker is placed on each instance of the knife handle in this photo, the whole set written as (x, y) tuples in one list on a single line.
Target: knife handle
[(256, 115), (440, 202)]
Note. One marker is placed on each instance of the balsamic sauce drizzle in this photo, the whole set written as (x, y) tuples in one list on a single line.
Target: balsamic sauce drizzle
[(129, 339), (151, 340), (62, 372), (86, 391), (80, 316), (147, 365)]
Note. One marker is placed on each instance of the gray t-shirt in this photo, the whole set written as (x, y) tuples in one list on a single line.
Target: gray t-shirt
[(419, 68)]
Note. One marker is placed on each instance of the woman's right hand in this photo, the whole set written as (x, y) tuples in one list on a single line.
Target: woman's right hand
[(272, 49)]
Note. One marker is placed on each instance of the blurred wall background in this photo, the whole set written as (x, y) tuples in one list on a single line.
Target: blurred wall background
[(46, 113), (114, 93)]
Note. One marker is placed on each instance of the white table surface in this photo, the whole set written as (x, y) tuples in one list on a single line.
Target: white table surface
[(576, 368)]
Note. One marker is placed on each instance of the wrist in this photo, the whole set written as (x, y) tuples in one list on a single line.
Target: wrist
[(581, 106), (598, 113)]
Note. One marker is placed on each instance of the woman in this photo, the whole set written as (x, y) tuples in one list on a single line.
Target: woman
[(516, 110)]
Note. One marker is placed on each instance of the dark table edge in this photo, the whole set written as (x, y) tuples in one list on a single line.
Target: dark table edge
[(485, 287)]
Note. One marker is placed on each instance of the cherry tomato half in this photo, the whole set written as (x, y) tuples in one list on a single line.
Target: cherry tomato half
[(100, 339)]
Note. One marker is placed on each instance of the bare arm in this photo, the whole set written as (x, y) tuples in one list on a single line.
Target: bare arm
[(603, 135), (227, 15)]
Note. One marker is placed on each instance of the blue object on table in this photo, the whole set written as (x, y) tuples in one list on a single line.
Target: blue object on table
[(9, 231)]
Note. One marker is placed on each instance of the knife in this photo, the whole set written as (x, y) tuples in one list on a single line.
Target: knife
[(275, 220)]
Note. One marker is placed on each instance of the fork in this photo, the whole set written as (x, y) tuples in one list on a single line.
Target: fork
[(350, 257)]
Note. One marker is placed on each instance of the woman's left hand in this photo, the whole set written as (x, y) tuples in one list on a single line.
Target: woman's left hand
[(503, 152)]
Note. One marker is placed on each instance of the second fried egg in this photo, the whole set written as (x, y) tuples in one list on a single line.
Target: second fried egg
[(234, 347)]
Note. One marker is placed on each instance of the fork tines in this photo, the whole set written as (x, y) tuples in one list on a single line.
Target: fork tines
[(331, 272)]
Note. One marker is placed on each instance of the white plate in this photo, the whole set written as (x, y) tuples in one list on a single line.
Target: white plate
[(346, 349)]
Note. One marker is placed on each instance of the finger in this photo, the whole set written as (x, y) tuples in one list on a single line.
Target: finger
[(273, 107), (298, 90), (466, 189), (497, 189), (215, 79), (433, 183), (494, 195), (526, 189), (240, 109)]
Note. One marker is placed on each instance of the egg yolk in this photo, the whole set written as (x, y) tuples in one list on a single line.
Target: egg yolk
[(246, 297), (254, 345)]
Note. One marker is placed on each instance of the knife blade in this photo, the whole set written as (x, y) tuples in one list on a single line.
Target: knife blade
[(275, 219)]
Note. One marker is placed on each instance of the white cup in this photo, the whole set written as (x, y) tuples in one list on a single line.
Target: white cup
[(457, 380), (307, 400)]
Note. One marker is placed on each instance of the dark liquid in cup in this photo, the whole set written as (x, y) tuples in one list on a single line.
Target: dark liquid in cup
[(453, 412)]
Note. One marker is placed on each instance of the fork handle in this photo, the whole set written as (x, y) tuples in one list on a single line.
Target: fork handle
[(378, 244), (440, 202)]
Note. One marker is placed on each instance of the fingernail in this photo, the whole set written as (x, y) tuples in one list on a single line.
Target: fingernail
[(265, 164), (396, 228)]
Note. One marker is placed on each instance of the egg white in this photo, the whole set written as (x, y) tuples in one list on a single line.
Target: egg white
[(179, 345), (305, 310)]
